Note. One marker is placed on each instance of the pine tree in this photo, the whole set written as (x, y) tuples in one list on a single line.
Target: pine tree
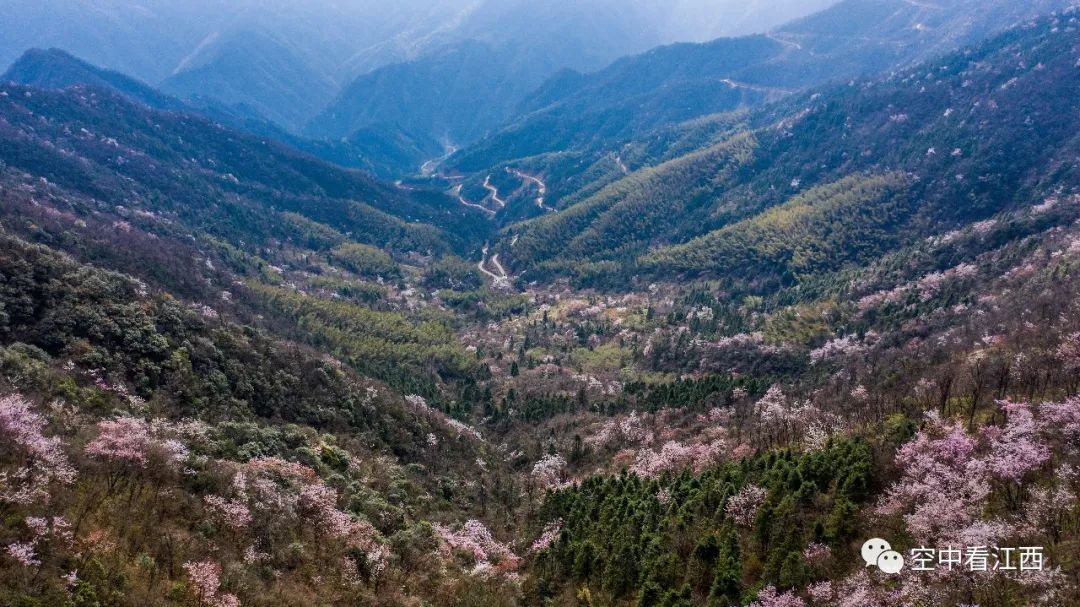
[(727, 581)]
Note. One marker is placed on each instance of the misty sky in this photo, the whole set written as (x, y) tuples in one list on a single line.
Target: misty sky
[(152, 39)]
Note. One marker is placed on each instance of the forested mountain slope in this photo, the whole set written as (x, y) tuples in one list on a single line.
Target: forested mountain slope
[(211, 309), (232, 375), (951, 142), (575, 111), (56, 69), (384, 151), (99, 144), (256, 69)]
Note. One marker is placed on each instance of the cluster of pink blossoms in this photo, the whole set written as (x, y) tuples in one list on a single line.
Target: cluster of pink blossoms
[(675, 455), (56, 530), (769, 597), (277, 492), (475, 539), (205, 578), (948, 474), (943, 484), (1018, 450), (631, 429), (845, 347), (744, 505), (1062, 419), (420, 405), (133, 441), (40, 460), (549, 472), (234, 514), (548, 537)]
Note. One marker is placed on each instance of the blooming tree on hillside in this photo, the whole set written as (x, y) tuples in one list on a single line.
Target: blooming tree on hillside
[(37, 462), (205, 579), (475, 539), (744, 505), (943, 483)]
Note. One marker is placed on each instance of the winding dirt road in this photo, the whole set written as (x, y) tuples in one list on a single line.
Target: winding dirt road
[(494, 192), (471, 205), (539, 184), (754, 87), (786, 42), (428, 168), (499, 275)]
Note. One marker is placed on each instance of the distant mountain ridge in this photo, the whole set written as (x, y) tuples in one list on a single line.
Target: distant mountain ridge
[(208, 177), (253, 68), (56, 69), (384, 150), (289, 60), (680, 82), (475, 80)]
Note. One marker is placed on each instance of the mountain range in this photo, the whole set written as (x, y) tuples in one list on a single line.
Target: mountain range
[(576, 111), (289, 61), (685, 329), (383, 151)]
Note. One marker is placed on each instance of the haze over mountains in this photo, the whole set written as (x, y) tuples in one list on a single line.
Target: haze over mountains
[(684, 81), (516, 74), (286, 61)]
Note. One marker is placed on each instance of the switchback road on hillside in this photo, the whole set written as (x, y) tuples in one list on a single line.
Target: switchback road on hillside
[(539, 184), (471, 205), (497, 273), (494, 192)]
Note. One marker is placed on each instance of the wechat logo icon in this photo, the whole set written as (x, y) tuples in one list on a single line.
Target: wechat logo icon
[(878, 553)]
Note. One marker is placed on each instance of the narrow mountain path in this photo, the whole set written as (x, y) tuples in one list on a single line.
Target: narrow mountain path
[(754, 87), (499, 269), (539, 184), (471, 205), (919, 4), (496, 272), (494, 192), (483, 265), (786, 42)]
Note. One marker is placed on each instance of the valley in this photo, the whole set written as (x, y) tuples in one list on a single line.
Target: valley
[(674, 327)]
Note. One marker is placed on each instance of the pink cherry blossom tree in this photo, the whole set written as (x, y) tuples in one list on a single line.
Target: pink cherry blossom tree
[(549, 472), (205, 579), (476, 540), (744, 505), (132, 443), (1018, 450), (548, 537), (232, 513), (942, 486), (30, 462), (125, 440), (769, 597), (1062, 420)]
